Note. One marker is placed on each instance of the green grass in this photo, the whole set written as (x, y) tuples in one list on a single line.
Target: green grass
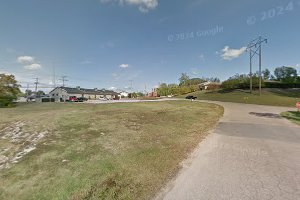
[(292, 116), (105, 151), (273, 97)]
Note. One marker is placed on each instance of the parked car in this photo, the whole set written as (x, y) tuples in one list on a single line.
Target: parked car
[(82, 99), (191, 97), (72, 99)]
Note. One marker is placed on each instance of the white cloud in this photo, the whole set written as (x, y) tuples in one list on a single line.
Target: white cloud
[(29, 62), (25, 59), (297, 65), (124, 66), (33, 66), (112, 88), (229, 54), (143, 5)]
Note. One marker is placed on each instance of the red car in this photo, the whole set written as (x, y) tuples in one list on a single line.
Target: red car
[(73, 99)]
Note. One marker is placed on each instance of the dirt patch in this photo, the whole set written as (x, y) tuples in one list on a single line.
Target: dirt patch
[(18, 143), (268, 115)]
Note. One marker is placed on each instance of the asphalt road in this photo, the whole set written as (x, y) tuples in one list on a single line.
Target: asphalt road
[(252, 154)]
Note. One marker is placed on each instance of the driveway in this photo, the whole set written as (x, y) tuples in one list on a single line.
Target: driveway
[(252, 154)]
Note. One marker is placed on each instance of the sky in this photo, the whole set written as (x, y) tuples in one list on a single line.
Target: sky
[(116, 44)]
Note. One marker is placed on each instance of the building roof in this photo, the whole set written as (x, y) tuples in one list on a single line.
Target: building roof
[(87, 91)]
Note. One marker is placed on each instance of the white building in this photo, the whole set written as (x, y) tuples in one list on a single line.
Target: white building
[(64, 93)]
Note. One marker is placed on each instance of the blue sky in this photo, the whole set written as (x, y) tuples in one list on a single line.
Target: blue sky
[(107, 43)]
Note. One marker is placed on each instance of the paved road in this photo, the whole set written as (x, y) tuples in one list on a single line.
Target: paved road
[(128, 101), (252, 154)]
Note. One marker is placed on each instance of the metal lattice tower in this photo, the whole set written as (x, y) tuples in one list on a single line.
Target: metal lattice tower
[(254, 47)]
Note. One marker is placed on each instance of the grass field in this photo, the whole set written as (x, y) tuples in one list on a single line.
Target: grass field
[(107, 151), (293, 116), (273, 97)]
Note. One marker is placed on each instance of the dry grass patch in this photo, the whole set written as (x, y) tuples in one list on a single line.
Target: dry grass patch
[(107, 151)]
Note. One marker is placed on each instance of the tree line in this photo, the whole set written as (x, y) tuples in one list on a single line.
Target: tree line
[(186, 85), (282, 77)]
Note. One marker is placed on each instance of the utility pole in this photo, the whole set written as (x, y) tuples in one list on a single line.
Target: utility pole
[(63, 79), (54, 76), (260, 77), (251, 87), (27, 90), (131, 83), (36, 84), (254, 47)]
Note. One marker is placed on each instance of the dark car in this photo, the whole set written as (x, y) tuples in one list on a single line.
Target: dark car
[(81, 99), (191, 97)]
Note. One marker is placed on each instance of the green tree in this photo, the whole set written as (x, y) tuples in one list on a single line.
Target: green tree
[(28, 92), (241, 81), (266, 74), (183, 79), (9, 90), (213, 79), (163, 90), (40, 93), (286, 74)]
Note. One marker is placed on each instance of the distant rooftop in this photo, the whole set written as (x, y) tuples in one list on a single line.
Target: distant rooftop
[(95, 91)]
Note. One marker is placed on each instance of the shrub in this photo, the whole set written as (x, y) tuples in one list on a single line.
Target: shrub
[(281, 85)]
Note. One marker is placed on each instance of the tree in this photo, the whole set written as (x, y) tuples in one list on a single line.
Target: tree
[(241, 81), (266, 74), (286, 74), (163, 90), (40, 93), (28, 92), (183, 79), (9, 90), (214, 80)]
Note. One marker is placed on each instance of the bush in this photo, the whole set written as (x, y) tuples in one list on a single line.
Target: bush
[(9, 90), (241, 82), (281, 85), (6, 101)]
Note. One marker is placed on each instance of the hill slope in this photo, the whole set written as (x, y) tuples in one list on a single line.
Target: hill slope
[(273, 97)]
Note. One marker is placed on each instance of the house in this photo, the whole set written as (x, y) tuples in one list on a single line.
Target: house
[(209, 86), (124, 94), (64, 93), (153, 94)]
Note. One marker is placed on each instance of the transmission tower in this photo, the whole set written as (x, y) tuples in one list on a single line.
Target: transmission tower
[(254, 47), (63, 79), (131, 85), (36, 84)]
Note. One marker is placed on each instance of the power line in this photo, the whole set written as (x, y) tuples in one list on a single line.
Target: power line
[(54, 76), (63, 79), (254, 47), (131, 84), (36, 84)]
